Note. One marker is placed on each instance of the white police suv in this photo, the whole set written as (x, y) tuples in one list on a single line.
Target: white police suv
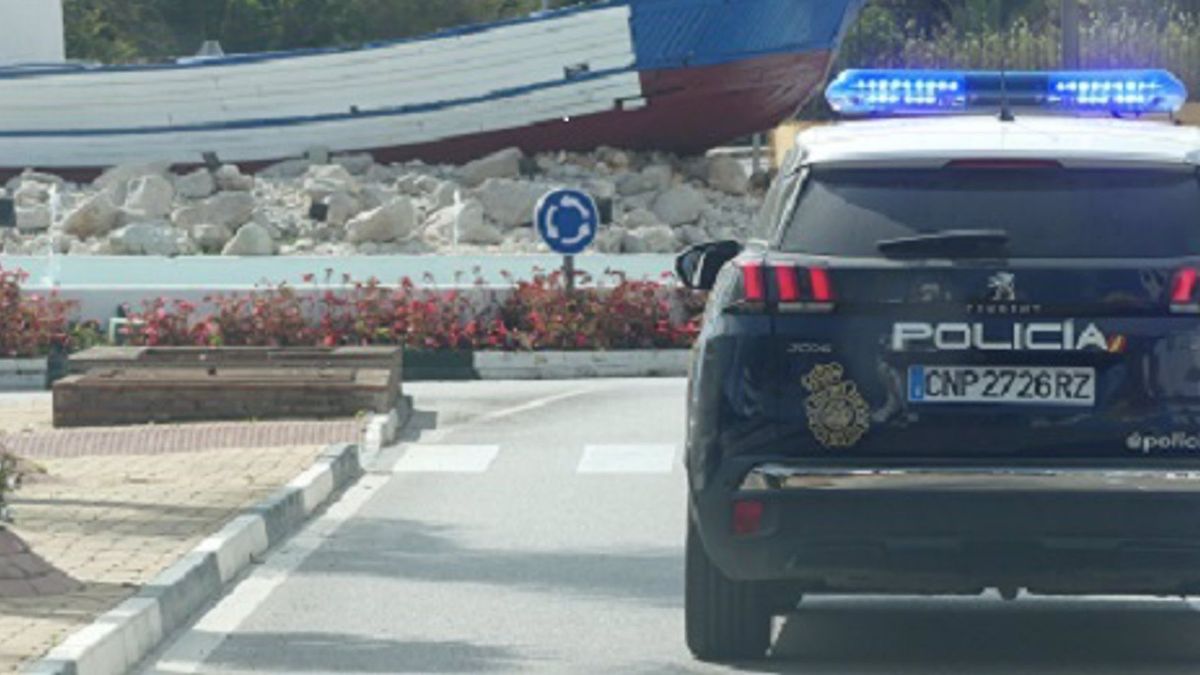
[(967, 358)]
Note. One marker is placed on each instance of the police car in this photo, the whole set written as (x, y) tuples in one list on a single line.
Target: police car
[(966, 358)]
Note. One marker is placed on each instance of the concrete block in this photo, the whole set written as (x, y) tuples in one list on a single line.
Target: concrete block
[(237, 545), (183, 588), (114, 643)]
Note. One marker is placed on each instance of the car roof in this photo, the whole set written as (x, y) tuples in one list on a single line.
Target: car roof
[(934, 140)]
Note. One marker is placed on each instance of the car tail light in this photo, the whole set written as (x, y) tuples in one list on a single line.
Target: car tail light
[(803, 289), (754, 288), (786, 287), (1183, 291), (747, 517)]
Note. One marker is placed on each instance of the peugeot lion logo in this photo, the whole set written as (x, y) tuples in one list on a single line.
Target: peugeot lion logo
[(1003, 287)]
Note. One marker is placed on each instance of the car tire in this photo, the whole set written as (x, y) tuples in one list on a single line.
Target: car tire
[(726, 620)]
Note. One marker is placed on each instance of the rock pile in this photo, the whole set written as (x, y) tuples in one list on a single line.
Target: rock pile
[(352, 205)]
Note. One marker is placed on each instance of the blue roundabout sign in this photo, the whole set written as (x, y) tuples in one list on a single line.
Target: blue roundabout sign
[(568, 221)]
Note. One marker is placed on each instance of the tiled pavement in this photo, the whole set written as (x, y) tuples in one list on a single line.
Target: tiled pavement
[(119, 506)]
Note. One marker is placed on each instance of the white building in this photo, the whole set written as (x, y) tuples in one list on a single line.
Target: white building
[(33, 32)]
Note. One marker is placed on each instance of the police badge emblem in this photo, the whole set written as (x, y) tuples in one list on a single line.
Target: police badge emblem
[(838, 415)]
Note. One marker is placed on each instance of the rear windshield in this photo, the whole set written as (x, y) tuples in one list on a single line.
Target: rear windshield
[(1046, 213)]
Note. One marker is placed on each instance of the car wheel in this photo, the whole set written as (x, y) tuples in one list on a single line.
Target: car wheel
[(726, 620)]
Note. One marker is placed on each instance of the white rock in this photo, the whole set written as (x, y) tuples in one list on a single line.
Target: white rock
[(639, 218), (198, 184), (380, 174), (660, 176), (154, 238), (338, 249), (609, 240), (410, 247), (614, 158), (356, 164), (472, 227), (327, 179), (38, 177), (444, 194), (30, 193), (654, 178), (655, 239), (690, 235), (230, 209), (503, 164), (393, 221), (117, 178), (342, 207), (150, 197), (408, 184), (290, 168), (428, 184), (211, 238), (79, 247), (510, 203), (658, 239), (728, 175), (600, 188), (34, 218), (680, 205), (93, 216), (231, 179), (251, 239), (375, 196)]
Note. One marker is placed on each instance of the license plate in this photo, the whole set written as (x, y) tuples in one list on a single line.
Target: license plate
[(1015, 385)]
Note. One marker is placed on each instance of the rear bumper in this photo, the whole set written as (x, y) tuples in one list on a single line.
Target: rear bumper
[(923, 530)]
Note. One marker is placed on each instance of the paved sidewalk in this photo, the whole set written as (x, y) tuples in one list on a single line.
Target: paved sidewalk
[(25, 426), (25, 412), (111, 522)]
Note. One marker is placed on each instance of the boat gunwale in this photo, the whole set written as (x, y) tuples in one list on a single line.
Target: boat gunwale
[(35, 70)]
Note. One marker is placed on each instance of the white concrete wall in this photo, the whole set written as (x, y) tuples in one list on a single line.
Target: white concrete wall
[(31, 31)]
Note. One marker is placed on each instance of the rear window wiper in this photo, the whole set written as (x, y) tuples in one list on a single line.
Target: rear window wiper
[(957, 242)]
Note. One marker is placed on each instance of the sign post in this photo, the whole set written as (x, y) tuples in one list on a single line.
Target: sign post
[(568, 221)]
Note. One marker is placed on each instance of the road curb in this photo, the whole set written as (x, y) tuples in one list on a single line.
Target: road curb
[(119, 639), (420, 367), (383, 430)]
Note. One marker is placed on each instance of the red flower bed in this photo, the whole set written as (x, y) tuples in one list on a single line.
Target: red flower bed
[(533, 315), (30, 325)]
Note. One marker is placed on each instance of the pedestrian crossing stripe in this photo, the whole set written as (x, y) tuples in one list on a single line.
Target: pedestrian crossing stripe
[(627, 459), (447, 459), (616, 459)]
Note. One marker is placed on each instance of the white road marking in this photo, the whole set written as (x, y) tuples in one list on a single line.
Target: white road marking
[(626, 459), (188, 653), (533, 405), (447, 458), (193, 646)]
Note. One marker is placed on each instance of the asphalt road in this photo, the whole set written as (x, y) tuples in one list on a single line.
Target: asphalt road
[(538, 527)]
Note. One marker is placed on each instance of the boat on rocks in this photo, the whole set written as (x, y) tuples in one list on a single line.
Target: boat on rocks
[(673, 75)]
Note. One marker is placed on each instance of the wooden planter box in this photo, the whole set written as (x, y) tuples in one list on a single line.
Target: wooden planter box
[(23, 374), (137, 385)]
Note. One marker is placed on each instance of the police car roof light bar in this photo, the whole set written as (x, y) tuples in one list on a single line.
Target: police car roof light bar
[(915, 92)]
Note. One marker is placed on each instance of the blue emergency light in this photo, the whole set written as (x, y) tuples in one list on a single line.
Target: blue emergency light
[(909, 92)]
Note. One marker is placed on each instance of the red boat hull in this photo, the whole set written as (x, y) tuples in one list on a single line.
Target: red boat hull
[(686, 111)]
